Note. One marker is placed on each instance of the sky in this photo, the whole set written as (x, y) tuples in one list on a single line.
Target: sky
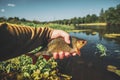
[(49, 10)]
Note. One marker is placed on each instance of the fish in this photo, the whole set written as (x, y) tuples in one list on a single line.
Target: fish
[(57, 45)]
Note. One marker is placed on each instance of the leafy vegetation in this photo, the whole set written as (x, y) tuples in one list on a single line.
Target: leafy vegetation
[(102, 49), (21, 68)]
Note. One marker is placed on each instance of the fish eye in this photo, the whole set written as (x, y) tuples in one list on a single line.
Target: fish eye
[(83, 42)]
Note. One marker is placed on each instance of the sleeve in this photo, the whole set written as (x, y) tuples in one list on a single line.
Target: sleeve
[(16, 40)]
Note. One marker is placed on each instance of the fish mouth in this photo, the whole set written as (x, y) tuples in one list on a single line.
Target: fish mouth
[(78, 49)]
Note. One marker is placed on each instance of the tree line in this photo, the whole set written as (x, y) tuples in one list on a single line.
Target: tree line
[(110, 16), (17, 20)]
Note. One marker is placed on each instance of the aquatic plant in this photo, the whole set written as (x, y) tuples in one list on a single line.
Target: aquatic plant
[(102, 49), (113, 69)]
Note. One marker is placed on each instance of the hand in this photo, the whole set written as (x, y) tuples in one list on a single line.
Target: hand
[(65, 35), (62, 55), (60, 33)]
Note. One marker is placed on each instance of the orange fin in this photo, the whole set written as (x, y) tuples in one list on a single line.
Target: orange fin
[(79, 53), (47, 57), (34, 58)]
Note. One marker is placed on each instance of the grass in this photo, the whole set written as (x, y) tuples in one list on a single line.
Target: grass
[(66, 28), (61, 27)]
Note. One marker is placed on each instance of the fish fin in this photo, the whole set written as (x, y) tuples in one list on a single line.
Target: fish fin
[(47, 57), (79, 53), (34, 58), (75, 51)]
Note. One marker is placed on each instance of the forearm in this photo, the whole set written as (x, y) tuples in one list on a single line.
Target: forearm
[(17, 40)]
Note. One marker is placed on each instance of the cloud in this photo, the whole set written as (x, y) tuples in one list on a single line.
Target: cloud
[(2, 10), (11, 5)]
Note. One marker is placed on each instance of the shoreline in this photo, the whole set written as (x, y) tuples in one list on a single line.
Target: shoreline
[(93, 24)]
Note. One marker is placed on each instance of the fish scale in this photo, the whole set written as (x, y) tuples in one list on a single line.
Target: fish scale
[(58, 45)]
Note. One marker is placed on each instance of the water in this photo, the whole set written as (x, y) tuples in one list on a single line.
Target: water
[(90, 66)]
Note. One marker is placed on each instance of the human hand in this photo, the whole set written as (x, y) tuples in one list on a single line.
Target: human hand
[(60, 33), (66, 37)]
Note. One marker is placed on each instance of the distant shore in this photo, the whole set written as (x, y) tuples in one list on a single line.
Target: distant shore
[(113, 35), (93, 24)]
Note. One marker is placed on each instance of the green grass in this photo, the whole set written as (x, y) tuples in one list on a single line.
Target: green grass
[(50, 25)]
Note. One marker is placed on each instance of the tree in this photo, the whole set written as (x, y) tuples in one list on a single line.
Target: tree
[(74, 21), (23, 20), (3, 19), (79, 20), (118, 14), (102, 17), (13, 20), (110, 15), (94, 18), (88, 19)]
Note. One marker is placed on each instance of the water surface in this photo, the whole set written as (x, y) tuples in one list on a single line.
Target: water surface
[(90, 66)]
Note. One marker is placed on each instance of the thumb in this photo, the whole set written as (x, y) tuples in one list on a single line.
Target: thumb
[(66, 36), (67, 39)]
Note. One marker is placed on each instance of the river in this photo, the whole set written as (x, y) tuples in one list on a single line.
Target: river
[(90, 66)]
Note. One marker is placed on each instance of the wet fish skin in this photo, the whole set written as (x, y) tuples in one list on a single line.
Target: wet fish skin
[(57, 45)]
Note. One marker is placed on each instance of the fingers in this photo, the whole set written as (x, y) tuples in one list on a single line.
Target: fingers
[(67, 54), (59, 55), (55, 55), (62, 55)]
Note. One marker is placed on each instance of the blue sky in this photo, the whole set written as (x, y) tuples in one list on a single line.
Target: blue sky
[(47, 10)]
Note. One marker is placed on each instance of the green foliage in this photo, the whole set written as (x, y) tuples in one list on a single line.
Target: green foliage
[(21, 68), (102, 17), (113, 15), (51, 25), (62, 27), (110, 16)]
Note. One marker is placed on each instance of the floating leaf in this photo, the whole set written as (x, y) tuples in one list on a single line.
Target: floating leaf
[(102, 49)]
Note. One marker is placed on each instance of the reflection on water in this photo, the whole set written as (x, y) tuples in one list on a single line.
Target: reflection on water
[(90, 66)]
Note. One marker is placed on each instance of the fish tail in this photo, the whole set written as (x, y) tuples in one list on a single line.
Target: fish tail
[(35, 56), (46, 55)]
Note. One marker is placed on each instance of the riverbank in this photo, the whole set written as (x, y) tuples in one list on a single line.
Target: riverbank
[(93, 24)]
